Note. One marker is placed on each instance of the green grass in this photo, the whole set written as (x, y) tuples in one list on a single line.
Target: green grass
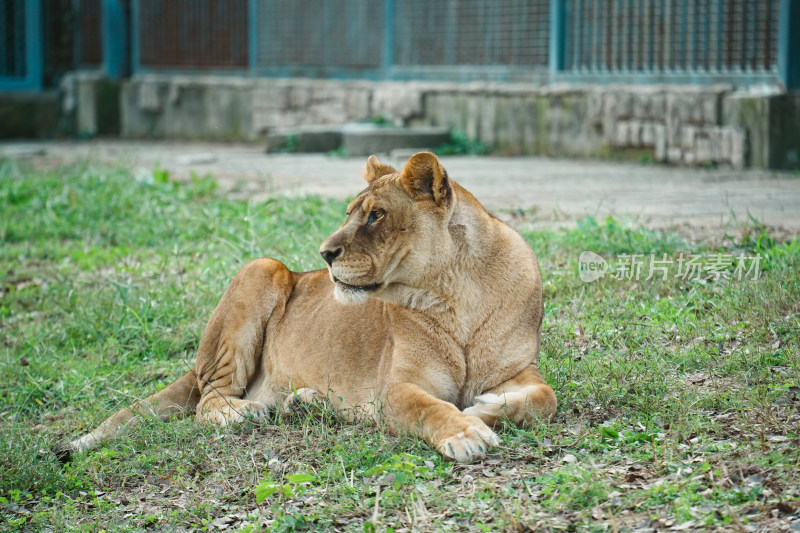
[(460, 144), (679, 398)]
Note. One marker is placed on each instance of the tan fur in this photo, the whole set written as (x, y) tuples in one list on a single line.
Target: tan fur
[(440, 337)]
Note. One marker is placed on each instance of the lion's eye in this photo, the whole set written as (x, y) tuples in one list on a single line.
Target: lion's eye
[(374, 215)]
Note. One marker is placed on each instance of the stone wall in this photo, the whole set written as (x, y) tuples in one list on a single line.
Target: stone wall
[(681, 125), (692, 125), (518, 120), (26, 116)]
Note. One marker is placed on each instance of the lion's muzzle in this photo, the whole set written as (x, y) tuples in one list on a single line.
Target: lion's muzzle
[(330, 255)]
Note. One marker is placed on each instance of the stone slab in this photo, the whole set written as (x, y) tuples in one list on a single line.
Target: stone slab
[(379, 140), (356, 139), (305, 139)]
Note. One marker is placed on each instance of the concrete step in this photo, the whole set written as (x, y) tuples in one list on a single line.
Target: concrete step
[(305, 139), (382, 140), (356, 139)]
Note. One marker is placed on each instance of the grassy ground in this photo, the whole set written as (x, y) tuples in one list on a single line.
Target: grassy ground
[(679, 398)]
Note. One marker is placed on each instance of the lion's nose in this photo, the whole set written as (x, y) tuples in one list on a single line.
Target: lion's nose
[(330, 255)]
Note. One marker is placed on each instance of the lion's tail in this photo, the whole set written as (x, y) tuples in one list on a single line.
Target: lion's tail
[(178, 399)]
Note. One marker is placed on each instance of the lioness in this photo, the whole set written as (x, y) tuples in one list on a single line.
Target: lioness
[(428, 315)]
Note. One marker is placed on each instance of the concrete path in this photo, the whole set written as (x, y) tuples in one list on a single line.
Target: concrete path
[(544, 191)]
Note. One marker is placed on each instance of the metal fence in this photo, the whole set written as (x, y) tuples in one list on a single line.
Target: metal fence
[(200, 34), (88, 38), (12, 46), (321, 38), (471, 32), (698, 37), (40, 40), (633, 41), (428, 39), (698, 41)]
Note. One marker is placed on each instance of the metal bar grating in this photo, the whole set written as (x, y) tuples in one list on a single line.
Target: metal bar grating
[(58, 39), (727, 36), (90, 45), (12, 39), (193, 33), (345, 34), (606, 40), (471, 32)]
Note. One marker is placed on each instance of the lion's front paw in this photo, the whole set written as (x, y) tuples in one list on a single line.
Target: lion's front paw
[(224, 411), (299, 401), (470, 443)]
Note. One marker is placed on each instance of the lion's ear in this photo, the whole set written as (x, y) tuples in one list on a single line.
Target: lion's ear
[(424, 175), (374, 169)]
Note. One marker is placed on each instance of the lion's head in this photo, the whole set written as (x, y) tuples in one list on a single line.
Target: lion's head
[(395, 231)]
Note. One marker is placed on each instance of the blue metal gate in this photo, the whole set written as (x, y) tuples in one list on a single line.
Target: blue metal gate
[(671, 40), (742, 42), (20, 45)]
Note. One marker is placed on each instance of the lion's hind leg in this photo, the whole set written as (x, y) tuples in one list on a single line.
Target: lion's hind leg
[(230, 352), (175, 400), (523, 399)]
